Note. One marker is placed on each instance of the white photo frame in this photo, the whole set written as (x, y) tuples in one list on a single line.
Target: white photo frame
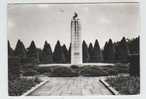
[(4, 55)]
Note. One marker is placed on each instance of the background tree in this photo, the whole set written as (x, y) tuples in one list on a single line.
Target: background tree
[(58, 55), (109, 51), (14, 62), (105, 52), (122, 50), (46, 55), (117, 51), (33, 52), (134, 56), (133, 45), (90, 51), (10, 50), (20, 50), (69, 52), (97, 55), (14, 68), (85, 52), (66, 53)]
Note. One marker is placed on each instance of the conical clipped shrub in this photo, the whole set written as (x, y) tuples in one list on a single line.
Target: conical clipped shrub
[(66, 53), (133, 45), (90, 51), (69, 52), (97, 54), (85, 52), (46, 54), (33, 52), (10, 50), (20, 50), (58, 55), (122, 50), (109, 52), (105, 52)]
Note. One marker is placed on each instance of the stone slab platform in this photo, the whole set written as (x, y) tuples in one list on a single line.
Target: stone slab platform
[(72, 86)]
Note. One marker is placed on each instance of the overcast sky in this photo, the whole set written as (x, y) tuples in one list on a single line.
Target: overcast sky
[(51, 22)]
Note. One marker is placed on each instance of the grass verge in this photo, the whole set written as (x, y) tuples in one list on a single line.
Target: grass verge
[(19, 86), (125, 85)]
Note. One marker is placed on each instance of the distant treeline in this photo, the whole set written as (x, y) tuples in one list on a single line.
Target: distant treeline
[(112, 52)]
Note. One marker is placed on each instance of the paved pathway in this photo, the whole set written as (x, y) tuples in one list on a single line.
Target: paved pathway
[(67, 86)]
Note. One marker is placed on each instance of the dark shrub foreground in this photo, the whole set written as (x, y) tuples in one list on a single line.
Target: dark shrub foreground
[(13, 68), (74, 66), (92, 71), (29, 70), (19, 86), (63, 72), (134, 64), (104, 70), (44, 70), (58, 71), (117, 69), (125, 85), (88, 70)]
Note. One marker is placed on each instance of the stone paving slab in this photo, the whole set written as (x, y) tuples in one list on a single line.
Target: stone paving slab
[(72, 86)]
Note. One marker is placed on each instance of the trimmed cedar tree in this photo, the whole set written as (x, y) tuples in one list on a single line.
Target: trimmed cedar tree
[(10, 50), (14, 62), (90, 51), (58, 55), (33, 52), (46, 55), (109, 51), (133, 46), (66, 53), (69, 52), (85, 52), (20, 50), (122, 50), (134, 57), (97, 54), (105, 52)]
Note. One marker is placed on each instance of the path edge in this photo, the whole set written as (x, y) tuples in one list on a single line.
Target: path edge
[(111, 89), (35, 88)]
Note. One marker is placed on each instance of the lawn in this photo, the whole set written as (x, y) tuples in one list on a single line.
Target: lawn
[(125, 85), (19, 86)]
